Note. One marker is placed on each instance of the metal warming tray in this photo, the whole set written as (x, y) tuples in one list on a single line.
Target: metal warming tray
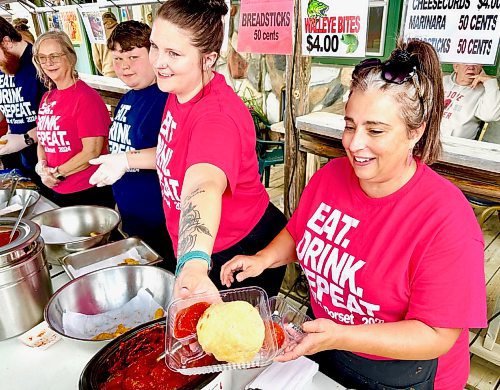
[(100, 254)]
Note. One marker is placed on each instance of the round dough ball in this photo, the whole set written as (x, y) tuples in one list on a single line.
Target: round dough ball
[(231, 331)]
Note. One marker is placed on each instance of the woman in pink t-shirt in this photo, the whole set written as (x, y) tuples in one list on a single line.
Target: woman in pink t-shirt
[(72, 126), (392, 251), (214, 202)]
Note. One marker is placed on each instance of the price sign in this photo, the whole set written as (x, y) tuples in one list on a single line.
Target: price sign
[(334, 28), (461, 31), (265, 26)]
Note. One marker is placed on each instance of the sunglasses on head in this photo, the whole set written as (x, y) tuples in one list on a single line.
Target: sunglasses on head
[(400, 68)]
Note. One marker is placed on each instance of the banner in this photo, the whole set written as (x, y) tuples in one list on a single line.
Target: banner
[(334, 28), (68, 19), (92, 20), (464, 31), (265, 27)]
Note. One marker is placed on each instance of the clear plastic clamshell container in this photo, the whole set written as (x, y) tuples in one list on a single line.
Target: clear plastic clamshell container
[(186, 356), (289, 319)]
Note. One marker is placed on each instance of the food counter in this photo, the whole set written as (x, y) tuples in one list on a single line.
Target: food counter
[(60, 365)]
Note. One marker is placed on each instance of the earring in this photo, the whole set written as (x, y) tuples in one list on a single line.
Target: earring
[(409, 159)]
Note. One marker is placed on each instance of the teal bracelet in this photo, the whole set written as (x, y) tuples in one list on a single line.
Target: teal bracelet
[(190, 256)]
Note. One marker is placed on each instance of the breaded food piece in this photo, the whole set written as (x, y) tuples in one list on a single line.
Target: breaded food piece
[(120, 329), (231, 331)]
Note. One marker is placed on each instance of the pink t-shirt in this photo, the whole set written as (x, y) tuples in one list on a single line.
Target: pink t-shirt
[(415, 254), (64, 118), (214, 127)]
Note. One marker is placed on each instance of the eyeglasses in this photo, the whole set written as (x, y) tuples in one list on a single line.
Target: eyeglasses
[(54, 58)]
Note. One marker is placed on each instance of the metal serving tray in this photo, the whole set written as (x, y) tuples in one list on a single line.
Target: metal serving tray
[(95, 255)]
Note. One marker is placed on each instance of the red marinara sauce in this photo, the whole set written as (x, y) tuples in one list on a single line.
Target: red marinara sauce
[(134, 366), (187, 319), (279, 333), (4, 237)]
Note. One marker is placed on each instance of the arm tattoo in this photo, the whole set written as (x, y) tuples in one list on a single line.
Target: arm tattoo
[(190, 225)]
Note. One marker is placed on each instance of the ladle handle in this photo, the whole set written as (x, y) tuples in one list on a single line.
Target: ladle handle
[(21, 213)]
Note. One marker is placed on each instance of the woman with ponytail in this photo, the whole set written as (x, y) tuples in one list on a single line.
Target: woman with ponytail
[(214, 202), (392, 251)]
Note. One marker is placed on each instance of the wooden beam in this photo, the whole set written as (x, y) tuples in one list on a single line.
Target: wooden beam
[(298, 73)]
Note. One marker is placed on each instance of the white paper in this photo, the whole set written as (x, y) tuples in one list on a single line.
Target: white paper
[(291, 375), (137, 311), (16, 199), (12, 208), (40, 337), (53, 235), (112, 261)]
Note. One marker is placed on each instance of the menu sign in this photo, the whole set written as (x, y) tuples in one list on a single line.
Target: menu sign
[(334, 28), (464, 31), (265, 26)]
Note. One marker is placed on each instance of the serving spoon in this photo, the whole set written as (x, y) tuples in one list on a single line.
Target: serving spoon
[(21, 213)]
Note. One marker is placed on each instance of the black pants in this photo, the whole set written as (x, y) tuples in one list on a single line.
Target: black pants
[(356, 372), (94, 196), (271, 223)]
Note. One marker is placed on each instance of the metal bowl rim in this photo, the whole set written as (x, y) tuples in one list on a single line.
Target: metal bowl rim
[(116, 213), (103, 270)]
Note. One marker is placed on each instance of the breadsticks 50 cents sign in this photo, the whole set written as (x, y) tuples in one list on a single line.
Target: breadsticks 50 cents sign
[(265, 26)]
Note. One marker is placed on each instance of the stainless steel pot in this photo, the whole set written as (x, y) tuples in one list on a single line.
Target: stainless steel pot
[(25, 284)]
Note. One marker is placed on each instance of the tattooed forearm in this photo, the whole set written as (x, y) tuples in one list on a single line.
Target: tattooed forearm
[(190, 224)]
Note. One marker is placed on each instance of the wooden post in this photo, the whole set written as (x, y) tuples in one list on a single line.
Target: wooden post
[(298, 73)]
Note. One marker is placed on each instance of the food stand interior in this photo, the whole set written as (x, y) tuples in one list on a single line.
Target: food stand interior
[(473, 166)]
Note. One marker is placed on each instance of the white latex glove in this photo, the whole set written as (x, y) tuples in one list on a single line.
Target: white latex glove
[(12, 143), (112, 167), (40, 167)]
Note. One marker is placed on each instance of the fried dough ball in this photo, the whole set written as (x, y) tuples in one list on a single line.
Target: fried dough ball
[(231, 331)]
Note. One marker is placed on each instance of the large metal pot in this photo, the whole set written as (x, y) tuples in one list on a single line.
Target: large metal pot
[(25, 284)]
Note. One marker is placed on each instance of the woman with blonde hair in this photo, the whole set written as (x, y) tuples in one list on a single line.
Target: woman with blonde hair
[(72, 125)]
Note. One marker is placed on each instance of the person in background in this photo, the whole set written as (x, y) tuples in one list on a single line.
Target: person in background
[(471, 97), (101, 54), (215, 204), (136, 126), (21, 92), (21, 25), (392, 251), (72, 125)]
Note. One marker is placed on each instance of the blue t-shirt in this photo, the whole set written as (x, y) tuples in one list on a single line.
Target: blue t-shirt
[(20, 97), (136, 125)]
